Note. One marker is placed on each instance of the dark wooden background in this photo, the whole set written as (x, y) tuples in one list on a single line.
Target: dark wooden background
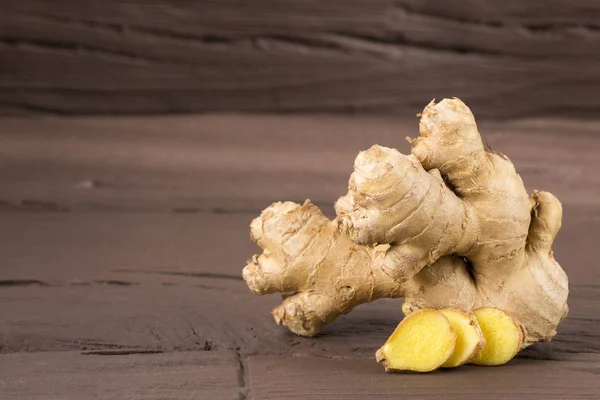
[(123, 237), (507, 58)]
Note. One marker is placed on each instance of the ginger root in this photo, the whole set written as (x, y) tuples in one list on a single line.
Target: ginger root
[(448, 226), (503, 335), (422, 342)]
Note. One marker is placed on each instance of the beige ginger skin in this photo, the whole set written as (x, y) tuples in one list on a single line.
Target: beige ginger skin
[(448, 226)]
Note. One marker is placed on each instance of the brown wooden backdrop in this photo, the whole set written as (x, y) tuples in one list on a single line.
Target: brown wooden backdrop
[(122, 238), (508, 59)]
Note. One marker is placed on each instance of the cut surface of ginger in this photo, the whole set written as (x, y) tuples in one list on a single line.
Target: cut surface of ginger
[(422, 342), (503, 336), (469, 338)]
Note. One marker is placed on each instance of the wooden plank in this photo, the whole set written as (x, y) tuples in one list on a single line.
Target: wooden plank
[(238, 163), (229, 16), (102, 281), (384, 56), (533, 13), (108, 223), (301, 378), (159, 281), (422, 23), (120, 375)]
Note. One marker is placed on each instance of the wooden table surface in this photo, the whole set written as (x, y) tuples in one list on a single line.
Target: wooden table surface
[(123, 240)]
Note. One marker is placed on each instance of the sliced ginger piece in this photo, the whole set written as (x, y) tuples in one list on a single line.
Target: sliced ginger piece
[(422, 342), (503, 336), (469, 338)]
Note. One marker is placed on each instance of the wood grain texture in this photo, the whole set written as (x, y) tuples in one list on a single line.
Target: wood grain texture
[(385, 56), (125, 374), (329, 379), (167, 282), (236, 163)]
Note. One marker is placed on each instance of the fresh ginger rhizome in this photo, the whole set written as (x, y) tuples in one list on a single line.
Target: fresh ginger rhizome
[(448, 227)]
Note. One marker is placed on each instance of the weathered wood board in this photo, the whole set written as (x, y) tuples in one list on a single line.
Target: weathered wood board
[(120, 374), (510, 58), (300, 378)]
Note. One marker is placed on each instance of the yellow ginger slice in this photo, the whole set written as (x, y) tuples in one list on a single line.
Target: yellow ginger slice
[(469, 338), (422, 342), (503, 336)]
